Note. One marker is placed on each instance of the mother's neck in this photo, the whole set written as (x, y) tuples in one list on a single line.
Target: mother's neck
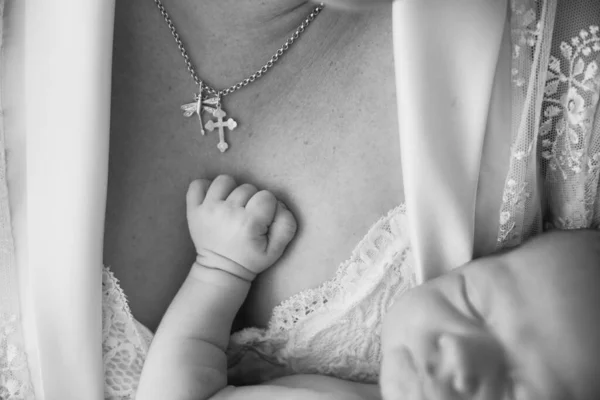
[(226, 15), (229, 39)]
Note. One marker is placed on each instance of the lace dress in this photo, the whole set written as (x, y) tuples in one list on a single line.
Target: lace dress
[(330, 330)]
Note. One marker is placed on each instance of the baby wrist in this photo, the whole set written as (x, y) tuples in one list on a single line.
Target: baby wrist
[(225, 269)]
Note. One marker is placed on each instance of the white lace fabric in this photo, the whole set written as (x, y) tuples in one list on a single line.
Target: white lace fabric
[(125, 342), (333, 329), (555, 156), (330, 330)]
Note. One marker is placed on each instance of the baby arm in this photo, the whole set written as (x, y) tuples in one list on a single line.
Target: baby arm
[(238, 232)]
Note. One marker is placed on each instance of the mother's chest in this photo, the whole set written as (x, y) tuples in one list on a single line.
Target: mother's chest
[(338, 172), (337, 167), (325, 142)]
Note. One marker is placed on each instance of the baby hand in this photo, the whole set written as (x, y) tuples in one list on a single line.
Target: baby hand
[(237, 229)]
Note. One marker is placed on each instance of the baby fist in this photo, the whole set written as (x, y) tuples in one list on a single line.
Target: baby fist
[(237, 228)]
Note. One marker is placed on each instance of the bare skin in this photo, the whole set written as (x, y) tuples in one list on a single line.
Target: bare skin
[(320, 130), (518, 325), (238, 231), (515, 325)]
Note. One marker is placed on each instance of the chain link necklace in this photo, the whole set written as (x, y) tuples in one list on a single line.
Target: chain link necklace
[(208, 99)]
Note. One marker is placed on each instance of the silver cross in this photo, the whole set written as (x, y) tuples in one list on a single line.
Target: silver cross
[(220, 125)]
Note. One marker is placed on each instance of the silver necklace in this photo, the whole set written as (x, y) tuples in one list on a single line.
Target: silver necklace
[(208, 99)]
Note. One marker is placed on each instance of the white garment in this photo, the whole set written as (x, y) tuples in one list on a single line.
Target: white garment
[(333, 329), (448, 107), (65, 81), (15, 378), (330, 330), (441, 153)]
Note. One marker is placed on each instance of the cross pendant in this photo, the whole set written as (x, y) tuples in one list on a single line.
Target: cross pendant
[(219, 124)]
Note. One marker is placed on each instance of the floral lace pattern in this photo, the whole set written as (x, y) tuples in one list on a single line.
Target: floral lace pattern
[(555, 156), (125, 342), (570, 105)]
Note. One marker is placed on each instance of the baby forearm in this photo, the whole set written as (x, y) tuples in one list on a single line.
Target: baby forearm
[(187, 357), (238, 233), (205, 306)]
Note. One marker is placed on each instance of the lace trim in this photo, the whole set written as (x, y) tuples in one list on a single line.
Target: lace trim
[(333, 329), (300, 306), (125, 342)]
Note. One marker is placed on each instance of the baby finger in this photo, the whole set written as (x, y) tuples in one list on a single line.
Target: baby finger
[(220, 188), (282, 230), (262, 206), (241, 195), (196, 193)]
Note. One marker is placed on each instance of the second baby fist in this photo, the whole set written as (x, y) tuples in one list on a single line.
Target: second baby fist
[(237, 228)]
